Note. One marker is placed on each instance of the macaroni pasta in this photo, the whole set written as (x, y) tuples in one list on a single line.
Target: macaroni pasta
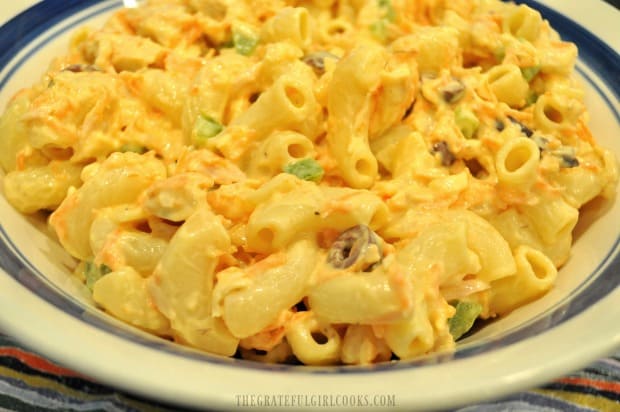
[(307, 180)]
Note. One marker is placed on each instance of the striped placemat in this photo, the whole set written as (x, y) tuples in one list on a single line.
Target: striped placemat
[(29, 382)]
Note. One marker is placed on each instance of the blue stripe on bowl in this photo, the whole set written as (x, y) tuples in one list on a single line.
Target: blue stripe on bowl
[(16, 26), (24, 28)]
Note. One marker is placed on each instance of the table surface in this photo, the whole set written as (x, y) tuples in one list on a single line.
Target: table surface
[(30, 382)]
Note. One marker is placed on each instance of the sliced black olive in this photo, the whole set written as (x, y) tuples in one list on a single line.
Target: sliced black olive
[(541, 142), (568, 161), (301, 306), (453, 91), (352, 246), (524, 129), (567, 157), (447, 157), (317, 61), (254, 97), (475, 168), (499, 125), (79, 68), (409, 110)]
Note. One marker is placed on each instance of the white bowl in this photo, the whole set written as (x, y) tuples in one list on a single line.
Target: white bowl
[(574, 324)]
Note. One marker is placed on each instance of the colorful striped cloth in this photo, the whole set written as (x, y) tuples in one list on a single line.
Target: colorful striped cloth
[(29, 382), (595, 388)]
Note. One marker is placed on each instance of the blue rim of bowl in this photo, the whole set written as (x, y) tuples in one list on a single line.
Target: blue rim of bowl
[(598, 56)]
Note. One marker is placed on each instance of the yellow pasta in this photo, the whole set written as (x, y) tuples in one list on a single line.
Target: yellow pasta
[(289, 101), (119, 179), (123, 293), (534, 276), (358, 298), (182, 283), (508, 84), (290, 24), (517, 163), (14, 132), (312, 342), (42, 187), (361, 346), (523, 22), (552, 217), (323, 182), (278, 150), (292, 268)]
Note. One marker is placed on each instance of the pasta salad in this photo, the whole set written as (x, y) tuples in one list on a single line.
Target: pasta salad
[(318, 181)]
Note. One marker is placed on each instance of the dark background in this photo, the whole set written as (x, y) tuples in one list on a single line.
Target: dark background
[(615, 3)]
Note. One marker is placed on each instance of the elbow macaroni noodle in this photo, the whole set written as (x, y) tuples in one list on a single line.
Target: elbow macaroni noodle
[(309, 180)]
